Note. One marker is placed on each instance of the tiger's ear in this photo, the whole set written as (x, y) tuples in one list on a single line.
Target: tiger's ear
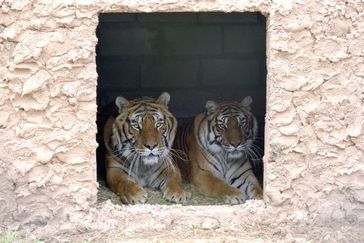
[(211, 107), (121, 102), (164, 98), (246, 102)]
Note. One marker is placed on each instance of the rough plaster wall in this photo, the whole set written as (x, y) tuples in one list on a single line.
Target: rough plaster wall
[(315, 112), (47, 111), (314, 160)]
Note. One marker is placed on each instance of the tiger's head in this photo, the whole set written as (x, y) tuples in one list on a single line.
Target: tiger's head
[(144, 129), (232, 127)]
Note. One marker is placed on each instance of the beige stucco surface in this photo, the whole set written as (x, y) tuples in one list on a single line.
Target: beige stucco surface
[(314, 125)]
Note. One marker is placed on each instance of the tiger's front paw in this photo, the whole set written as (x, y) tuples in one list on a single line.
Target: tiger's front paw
[(234, 196), (256, 193), (178, 195), (133, 194)]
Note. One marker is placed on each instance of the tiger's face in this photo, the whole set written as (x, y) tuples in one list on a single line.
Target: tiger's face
[(146, 129), (148, 133), (233, 128)]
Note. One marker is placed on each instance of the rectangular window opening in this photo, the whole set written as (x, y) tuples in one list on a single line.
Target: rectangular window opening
[(195, 57)]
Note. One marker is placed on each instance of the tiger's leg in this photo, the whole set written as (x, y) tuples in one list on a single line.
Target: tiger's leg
[(123, 185), (169, 181), (209, 184), (244, 179), (173, 190), (253, 190)]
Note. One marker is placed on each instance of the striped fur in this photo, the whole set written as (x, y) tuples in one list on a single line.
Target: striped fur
[(218, 145), (138, 142)]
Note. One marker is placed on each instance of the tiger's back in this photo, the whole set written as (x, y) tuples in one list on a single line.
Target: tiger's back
[(181, 146)]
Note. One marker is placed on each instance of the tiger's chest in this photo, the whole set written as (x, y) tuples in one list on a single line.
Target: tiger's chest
[(149, 175), (143, 174)]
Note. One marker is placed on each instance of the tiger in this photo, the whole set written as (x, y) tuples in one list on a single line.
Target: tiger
[(138, 150), (218, 144)]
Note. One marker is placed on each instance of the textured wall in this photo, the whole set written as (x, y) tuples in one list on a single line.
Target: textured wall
[(315, 50)]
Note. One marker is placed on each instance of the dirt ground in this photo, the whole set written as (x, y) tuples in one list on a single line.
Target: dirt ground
[(152, 223), (253, 221), (155, 197)]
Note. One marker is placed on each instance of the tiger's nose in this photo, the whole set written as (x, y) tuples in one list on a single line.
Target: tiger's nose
[(151, 146), (235, 144)]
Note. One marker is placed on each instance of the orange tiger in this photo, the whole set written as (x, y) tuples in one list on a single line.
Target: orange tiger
[(138, 143), (217, 145)]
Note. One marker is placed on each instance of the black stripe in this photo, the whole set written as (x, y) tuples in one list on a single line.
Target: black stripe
[(214, 166), (246, 190), (136, 108), (126, 141), (124, 131), (118, 131), (160, 173), (160, 187), (243, 182), (241, 165), (240, 185), (151, 109), (203, 154), (235, 178), (166, 141), (128, 120), (213, 130)]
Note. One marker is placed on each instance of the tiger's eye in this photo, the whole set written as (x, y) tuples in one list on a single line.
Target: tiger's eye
[(134, 123), (159, 122)]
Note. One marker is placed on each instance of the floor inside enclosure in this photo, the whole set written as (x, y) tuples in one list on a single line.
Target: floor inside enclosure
[(194, 56)]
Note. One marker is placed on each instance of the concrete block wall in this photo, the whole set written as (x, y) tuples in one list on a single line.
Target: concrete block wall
[(194, 56)]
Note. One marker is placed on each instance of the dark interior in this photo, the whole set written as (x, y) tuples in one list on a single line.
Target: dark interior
[(194, 56)]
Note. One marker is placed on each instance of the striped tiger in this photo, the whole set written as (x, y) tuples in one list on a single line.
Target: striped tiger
[(138, 143), (218, 145)]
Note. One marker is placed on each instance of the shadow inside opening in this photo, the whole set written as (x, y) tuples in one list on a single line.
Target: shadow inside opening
[(194, 56)]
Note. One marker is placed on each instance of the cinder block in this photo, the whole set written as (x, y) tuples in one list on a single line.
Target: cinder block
[(236, 72), (188, 103), (192, 40), (118, 74), (258, 95), (167, 17), (117, 17), (169, 73), (110, 95), (219, 17), (244, 39), (122, 40)]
